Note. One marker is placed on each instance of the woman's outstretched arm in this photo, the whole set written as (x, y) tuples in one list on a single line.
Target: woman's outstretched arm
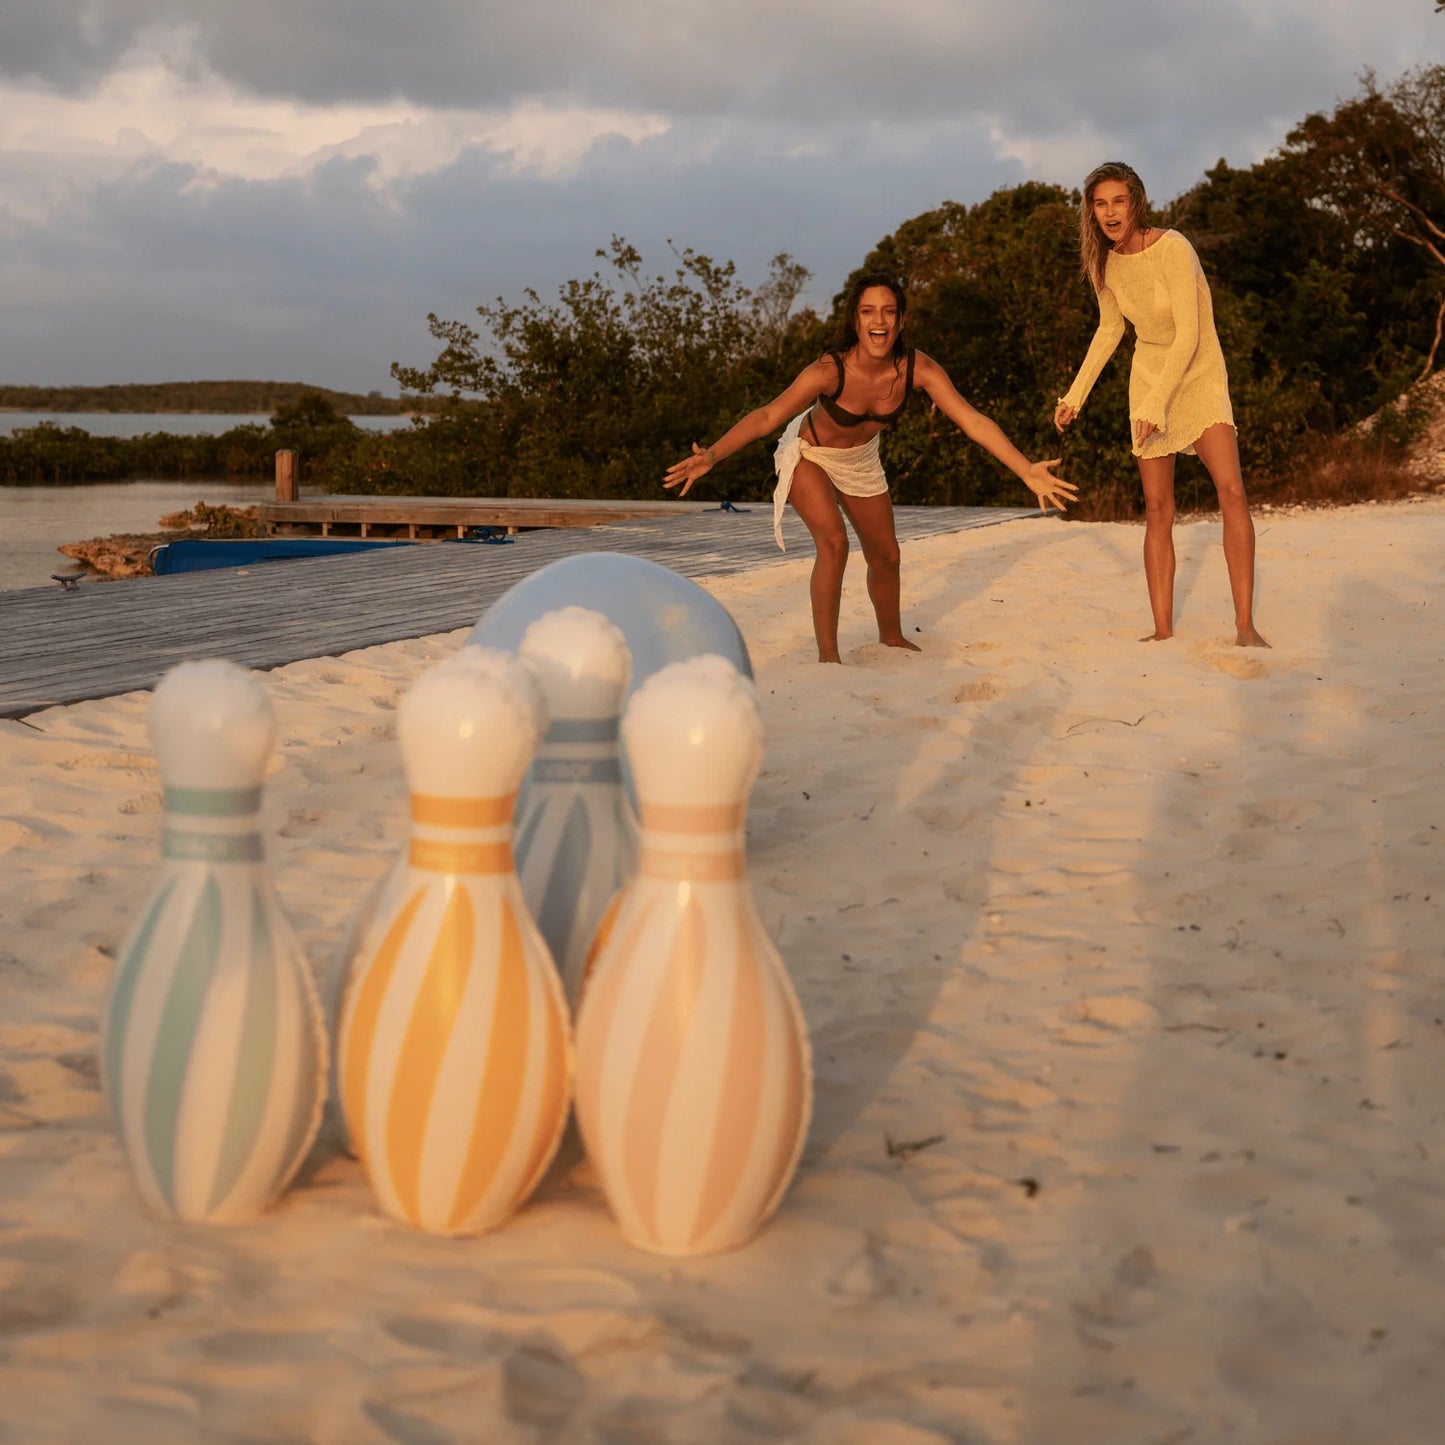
[(806, 388), (1051, 491), (1106, 340)]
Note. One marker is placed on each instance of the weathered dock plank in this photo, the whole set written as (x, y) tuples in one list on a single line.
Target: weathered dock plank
[(420, 517), (112, 637)]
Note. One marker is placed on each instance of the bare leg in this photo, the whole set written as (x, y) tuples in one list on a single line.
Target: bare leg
[(1219, 451), (872, 519), (1157, 475), (815, 501)]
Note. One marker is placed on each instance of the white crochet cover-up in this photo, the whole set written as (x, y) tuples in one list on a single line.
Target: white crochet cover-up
[(855, 471), (1178, 380)]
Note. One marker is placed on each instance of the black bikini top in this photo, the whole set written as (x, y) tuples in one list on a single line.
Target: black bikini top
[(843, 417)]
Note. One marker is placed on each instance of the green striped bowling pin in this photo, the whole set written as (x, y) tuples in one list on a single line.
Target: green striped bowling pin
[(212, 1050), (576, 838)]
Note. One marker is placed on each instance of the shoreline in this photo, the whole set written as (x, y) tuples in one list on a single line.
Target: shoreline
[(1123, 975)]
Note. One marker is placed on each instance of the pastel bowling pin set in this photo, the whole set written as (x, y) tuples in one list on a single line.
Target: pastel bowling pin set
[(448, 996), (455, 1044), (694, 1075), (213, 1054), (576, 837)]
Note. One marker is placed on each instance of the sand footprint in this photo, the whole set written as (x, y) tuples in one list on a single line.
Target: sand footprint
[(1116, 1012), (943, 818), (1273, 812), (144, 803), (1237, 664), (885, 726), (978, 689)]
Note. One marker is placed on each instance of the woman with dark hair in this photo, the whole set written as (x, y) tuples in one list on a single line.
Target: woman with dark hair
[(1178, 386), (827, 458)]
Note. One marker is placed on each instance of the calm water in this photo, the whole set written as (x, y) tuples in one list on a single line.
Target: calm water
[(134, 424), (34, 521)]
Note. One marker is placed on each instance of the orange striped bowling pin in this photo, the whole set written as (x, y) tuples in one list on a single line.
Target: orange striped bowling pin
[(694, 1075), (455, 1050)]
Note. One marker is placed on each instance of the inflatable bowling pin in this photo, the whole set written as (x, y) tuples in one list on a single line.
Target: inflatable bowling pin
[(212, 1049), (382, 898), (694, 1075), (455, 1050), (576, 839)]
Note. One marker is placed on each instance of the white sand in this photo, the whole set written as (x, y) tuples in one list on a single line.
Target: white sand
[(1149, 935)]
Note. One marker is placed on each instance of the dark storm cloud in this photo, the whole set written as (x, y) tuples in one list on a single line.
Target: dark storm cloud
[(323, 280), (66, 43), (1040, 64)]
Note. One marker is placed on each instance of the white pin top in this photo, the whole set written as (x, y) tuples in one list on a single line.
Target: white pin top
[(494, 662), (693, 734), (581, 660), (468, 727), (212, 726)]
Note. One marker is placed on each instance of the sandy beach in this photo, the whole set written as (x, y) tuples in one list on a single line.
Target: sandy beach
[(1125, 979)]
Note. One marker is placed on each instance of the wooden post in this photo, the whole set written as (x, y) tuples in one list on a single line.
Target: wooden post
[(288, 469)]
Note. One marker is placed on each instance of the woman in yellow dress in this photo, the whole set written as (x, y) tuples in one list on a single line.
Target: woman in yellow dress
[(1178, 387)]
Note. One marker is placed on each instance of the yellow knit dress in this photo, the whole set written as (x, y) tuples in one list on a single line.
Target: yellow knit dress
[(1178, 380)]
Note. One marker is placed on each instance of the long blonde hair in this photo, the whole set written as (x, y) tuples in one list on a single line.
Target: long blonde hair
[(1094, 245)]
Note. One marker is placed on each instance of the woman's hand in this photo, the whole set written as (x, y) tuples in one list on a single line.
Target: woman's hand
[(1063, 415), (684, 473), (1051, 491), (1143, 430)]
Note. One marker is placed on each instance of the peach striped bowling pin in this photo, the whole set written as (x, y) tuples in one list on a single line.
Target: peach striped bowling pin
[(576, 837), (694, 1075), (455, 1066), (212, 1050)]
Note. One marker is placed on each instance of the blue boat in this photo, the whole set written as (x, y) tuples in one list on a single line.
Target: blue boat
[(196, 554)]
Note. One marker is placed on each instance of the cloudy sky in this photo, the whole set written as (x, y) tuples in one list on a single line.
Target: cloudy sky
[(200, 189)]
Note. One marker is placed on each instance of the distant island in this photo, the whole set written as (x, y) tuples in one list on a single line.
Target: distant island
[(220, 398)]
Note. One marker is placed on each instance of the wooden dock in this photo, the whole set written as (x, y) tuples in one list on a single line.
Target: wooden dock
[(427, 518), (59, 647)]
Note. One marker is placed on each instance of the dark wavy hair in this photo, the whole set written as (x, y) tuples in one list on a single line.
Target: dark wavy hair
[(845, 338), (1094, 245)]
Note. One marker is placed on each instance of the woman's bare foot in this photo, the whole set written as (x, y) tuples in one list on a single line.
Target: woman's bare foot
[(830, 657), (1248, 637), (900, 641), (1157, 637)]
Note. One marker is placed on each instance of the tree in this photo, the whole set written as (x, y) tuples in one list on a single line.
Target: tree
[(595, 394), (1378, 162)]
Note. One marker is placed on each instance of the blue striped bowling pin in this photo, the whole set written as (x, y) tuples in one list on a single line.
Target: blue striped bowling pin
[(694, 1074), (455, 1044), (576, 838), (212, 1050)]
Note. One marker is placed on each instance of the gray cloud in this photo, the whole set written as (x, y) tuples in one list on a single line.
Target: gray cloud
[(323, 280), (813, 128), (1044, 64), (65, 43)]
